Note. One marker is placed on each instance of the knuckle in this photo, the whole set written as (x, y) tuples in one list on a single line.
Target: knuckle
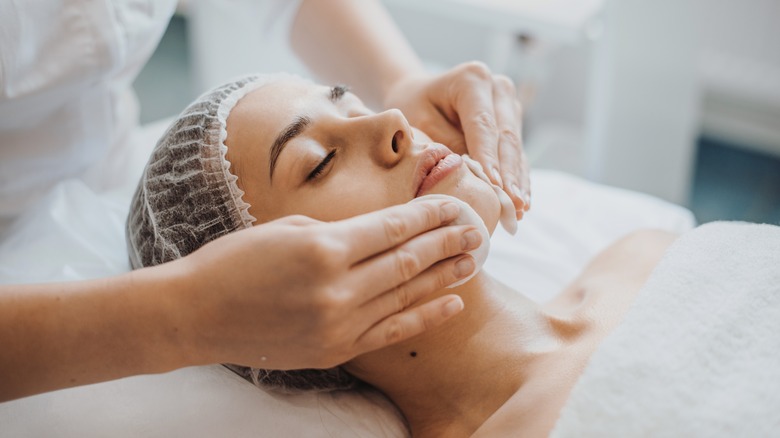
[(403, 297), (486, 121), (427, 323), (431, 213), (509, 136), (503, 84), (451, 244), (338, 300), (324, 252), (394, 333), (406, 264), (489, 156), (327, 305), (319, 304), (295, 219), (334, 246), (287, 220), (478, 70), (444, 277), (310, 242), (395, 228)]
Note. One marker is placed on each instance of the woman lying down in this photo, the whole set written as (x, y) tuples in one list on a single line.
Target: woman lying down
[(266, 147)]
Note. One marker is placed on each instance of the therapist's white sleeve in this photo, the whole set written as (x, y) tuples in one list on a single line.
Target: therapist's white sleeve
[(66, 69)]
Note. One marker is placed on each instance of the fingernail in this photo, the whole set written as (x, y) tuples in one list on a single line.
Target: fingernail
[(470, 240), (516, 192), (527, 200), (452, 307), (497, 177), (449, 211), (464, 267), (519, 214)]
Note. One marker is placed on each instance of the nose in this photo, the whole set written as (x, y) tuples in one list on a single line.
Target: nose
[(392, 137)]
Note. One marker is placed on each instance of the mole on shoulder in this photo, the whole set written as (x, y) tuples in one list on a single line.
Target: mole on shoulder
[(413, 354)]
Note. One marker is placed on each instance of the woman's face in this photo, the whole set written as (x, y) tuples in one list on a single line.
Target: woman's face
[(300, 148)]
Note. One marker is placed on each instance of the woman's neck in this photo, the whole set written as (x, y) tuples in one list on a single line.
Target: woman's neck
[(452, 378)]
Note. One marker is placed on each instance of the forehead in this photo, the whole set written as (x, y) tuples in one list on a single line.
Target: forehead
[(277, 101), (258, 117)]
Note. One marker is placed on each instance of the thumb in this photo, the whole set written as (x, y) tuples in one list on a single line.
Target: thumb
[(442, 131)]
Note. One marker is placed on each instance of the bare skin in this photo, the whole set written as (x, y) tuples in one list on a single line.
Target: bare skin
[(504, 363), (507, 364), (584, 313), (468, 108), (44, 324), (317, 312)]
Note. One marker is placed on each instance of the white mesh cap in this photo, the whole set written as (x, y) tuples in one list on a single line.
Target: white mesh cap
[(188, 197)]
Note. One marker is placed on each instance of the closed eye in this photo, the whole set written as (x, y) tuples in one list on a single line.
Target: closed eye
[(321, 167)]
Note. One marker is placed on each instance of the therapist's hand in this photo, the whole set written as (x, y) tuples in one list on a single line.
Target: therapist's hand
[(470, 109), (300, 293)]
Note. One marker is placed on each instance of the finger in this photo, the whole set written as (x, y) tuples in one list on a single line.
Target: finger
[(474, 104), (510, 146), (435, 278), (525, 174), (409, 323), (442, 131), (376, 232), (525, 186), (393, 268)]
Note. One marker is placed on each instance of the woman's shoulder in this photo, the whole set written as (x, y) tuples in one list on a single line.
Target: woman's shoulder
[(634, 254), (620, 269), (639, 249)]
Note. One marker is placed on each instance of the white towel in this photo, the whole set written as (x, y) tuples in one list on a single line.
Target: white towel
[(698, 355)]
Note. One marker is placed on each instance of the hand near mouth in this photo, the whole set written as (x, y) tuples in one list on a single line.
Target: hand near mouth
[(472, 111)]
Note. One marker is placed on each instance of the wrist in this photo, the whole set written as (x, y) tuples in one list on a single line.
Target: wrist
[(165, 332)]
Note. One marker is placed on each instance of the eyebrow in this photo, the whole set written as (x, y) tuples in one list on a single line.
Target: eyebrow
[(291, 131), (337, 92), (298, 126)]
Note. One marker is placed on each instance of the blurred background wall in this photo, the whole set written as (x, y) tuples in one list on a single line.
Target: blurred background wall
[(676, 98)]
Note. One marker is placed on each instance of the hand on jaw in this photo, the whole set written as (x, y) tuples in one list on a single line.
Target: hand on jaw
[(349, 292), (470, 110)]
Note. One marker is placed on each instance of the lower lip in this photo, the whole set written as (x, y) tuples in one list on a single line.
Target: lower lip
[(449, 164)]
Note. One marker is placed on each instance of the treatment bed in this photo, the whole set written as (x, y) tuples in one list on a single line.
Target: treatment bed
[(77, 232)]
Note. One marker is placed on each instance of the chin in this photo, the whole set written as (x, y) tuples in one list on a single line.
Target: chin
[(475, 192)]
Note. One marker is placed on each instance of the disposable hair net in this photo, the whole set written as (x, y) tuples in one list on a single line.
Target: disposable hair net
[(188, 197)]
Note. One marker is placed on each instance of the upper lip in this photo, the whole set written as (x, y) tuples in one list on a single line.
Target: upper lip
[(429, 158)]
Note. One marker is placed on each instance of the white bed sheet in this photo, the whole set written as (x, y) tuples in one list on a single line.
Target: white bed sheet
[(77, 232)]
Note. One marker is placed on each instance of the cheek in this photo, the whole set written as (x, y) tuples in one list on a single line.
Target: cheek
[(338, 197)]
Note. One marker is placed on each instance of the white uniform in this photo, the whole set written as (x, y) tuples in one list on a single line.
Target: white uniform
[(67, 108), (66, 70)]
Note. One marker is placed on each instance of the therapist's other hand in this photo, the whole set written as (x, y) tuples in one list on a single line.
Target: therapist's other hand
[(472, 110), (300, 293)]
